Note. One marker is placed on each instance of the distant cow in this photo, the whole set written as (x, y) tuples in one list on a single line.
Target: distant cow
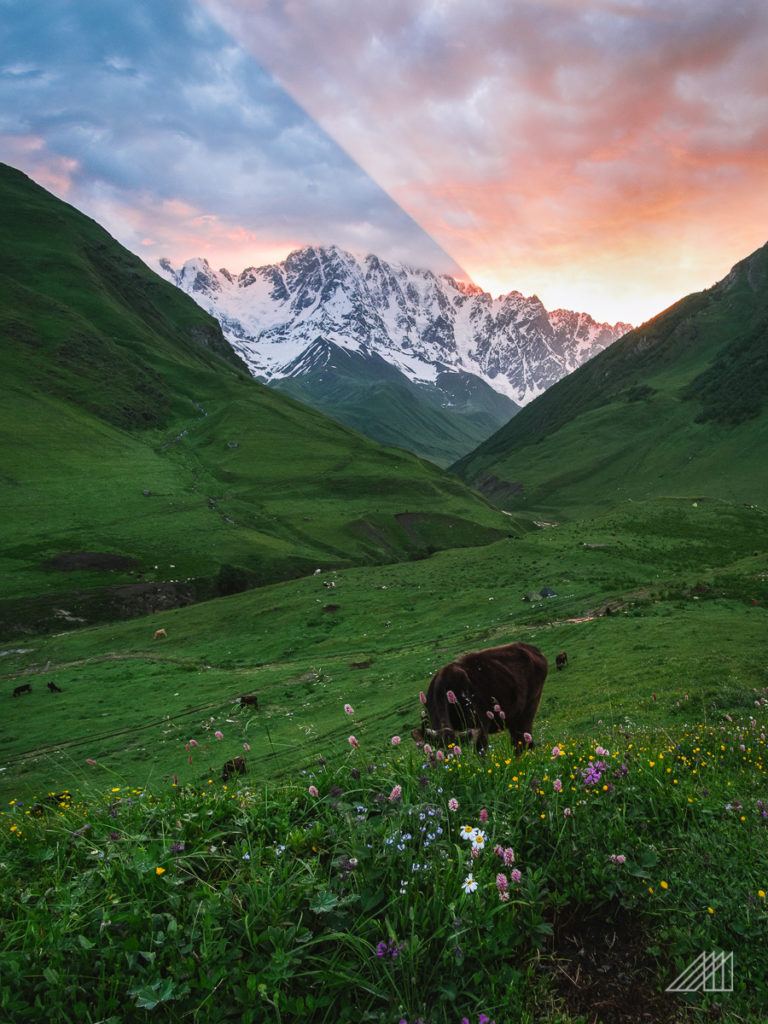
[(159, 634), (54, 688), (234, 767), (249, 700), (485, 692), (26, 688), (561, 660)]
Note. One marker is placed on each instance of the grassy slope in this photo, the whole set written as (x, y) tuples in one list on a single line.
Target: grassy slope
[(372, 396), (132, 703), (676, 407), (115, 382)]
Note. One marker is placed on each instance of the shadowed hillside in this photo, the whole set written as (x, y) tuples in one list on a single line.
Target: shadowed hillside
[(130, 428), (678, 406)]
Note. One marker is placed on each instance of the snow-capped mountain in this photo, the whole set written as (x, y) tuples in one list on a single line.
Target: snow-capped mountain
[(421, 323)]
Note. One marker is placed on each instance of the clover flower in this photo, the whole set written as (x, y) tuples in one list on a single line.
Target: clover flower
[(348, 709), (397, 792), (453, 804), (617, 858), (451, 697), (557, 785), (528, 738), (352, 741), (219, 734), (395, 741), (515, 874), (422, 697), (313, 791)]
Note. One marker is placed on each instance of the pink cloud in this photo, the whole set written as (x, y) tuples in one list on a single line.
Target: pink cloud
[(614, 151)]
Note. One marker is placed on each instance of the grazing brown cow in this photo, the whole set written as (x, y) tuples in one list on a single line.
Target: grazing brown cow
[(26, 688), (159, 634), (249, 700), (54, 688), (485, 692), (234, 767), (561, 660)]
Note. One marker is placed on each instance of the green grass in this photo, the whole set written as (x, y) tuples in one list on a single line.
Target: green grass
[(337, 897), (685, 578), (115, 383)]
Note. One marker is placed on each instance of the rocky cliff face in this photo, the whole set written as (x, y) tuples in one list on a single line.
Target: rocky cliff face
[(420, 322)]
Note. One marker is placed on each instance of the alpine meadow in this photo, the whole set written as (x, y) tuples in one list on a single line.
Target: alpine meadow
[(284, 550)]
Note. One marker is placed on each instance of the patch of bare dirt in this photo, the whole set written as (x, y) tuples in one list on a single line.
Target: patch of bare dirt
[(71, 561), (603, 972)]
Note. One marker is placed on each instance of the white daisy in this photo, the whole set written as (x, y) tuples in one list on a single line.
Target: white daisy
[(478, 839), (469, 884), (468, 832)]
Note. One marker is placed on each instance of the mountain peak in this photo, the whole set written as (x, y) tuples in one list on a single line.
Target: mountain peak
[(418, 321)]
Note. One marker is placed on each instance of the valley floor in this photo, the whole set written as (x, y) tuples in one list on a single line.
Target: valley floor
[(256, 900)]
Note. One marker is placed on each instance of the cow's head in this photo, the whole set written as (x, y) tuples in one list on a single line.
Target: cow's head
[(442, 738)]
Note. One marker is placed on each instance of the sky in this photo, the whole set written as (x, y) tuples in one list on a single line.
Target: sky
[(607, 155)]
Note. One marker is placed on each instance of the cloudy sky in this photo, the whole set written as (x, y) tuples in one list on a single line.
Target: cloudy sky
[(608, 155)]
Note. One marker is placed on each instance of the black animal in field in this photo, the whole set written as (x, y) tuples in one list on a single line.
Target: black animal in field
[(485, 692), (249, 700), (561, 660), (54, 688), (236, 766), (26, 688)]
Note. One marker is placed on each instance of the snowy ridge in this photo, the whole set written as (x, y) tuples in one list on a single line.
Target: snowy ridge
[(418, 321)]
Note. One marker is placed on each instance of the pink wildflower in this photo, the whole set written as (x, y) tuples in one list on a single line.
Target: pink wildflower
[(313, 791), (427, 750), (476, 851), (453, 804), (395, 741), (508, 856), (601, 751), (219, 734), (349, 709), (556, 751), (515, 875), (497, 708), (502, 715), (194, 743), (397, 792), (618, 858), (557, 785), (489, 714), (498, 850), (528, 738), (352, 741), (457, 751), (422, 697), (502, 882), (440, 755), (483, 814), (567, 812), (451, 697), (90, 761)]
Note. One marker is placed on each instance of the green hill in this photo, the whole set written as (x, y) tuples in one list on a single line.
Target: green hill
[(364, 391), (676, 407), (142, 467)]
